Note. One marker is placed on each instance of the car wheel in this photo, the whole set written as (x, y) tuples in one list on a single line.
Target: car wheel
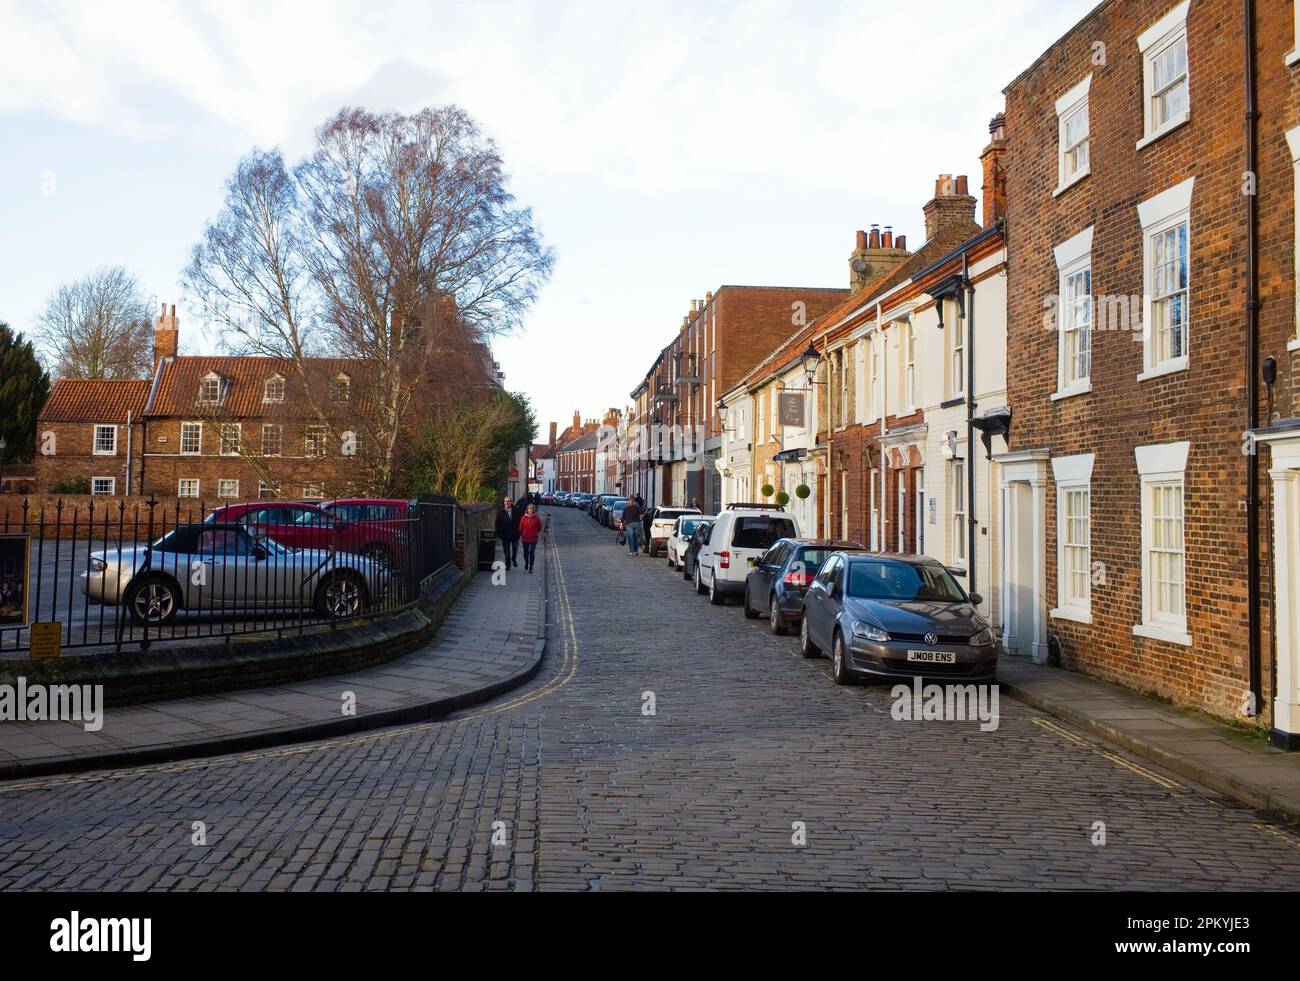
[(750, 612), (839, 661), (715, 597), (806, 647), (153, 602), (774, 618), (341, 595), (378, 553), (686, 571), (699, 583)]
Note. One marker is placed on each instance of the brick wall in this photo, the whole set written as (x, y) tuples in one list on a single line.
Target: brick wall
[(1204, 404)]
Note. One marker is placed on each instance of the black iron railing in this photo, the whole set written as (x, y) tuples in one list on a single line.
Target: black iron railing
[(115, 575)]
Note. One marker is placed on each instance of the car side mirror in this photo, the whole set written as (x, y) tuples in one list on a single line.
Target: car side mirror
[(260, 552), (976, 598)]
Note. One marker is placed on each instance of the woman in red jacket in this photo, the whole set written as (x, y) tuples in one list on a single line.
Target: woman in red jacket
[(530, 533)]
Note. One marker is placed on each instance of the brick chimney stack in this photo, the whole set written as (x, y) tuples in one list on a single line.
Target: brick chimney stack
[(553, 435), (994, 191), (874, 255), (951, 206), (166, 335)]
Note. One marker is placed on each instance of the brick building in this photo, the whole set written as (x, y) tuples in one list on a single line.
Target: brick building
[(1142, 211), (677, 432), (216, 427), (575, 464)]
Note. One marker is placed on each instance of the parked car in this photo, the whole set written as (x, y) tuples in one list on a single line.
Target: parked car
[(740, 533), (602, 504), (301, 525), (584, 501), (659, 525), (221, 566), (777, 580), (691, 555), (614, 512), (379, 529), (680, 537), (895, 616)]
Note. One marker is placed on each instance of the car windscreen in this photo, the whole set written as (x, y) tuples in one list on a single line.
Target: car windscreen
[(688, 525), (884, 579), (761, 531)]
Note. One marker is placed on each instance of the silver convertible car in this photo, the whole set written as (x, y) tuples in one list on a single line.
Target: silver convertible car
[(213, 567), (895, 616)]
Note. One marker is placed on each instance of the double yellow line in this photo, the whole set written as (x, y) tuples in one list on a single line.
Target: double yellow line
[(1117, 760)]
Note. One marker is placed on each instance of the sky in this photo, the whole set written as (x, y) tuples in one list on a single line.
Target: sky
[(665, 149)]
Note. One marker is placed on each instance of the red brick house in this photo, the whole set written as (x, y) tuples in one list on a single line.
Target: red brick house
[(89, 435), (1141, 217)]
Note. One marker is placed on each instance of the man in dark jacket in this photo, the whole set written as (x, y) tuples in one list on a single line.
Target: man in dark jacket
[(507, 527), (632, 526)]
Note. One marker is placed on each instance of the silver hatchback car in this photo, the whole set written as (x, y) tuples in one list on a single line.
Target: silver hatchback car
[(895, 616), (215, 567)]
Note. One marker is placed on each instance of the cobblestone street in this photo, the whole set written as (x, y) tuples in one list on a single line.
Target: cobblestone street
[(566, 784)]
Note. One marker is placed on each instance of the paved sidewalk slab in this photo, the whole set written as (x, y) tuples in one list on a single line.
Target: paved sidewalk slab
[(1222, 757), (491, 641)]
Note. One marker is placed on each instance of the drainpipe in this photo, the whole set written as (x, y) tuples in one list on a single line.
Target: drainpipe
[(1252, 366), (969, 316), (128, 452), (881, 509)]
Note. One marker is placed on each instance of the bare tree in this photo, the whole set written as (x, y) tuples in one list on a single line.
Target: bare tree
[(98, 327), (395, 243)]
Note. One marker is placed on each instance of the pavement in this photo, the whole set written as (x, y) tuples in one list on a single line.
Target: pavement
[(1228, 759), (491, 641), (665, 744)]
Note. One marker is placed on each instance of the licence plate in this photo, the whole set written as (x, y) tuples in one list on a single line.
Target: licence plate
[(933, 657)]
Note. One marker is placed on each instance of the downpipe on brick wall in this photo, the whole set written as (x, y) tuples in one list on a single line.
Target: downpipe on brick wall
[(968, 314), (1254, 602)]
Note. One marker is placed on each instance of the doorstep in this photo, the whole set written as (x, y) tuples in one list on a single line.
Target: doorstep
[(1222, 757)]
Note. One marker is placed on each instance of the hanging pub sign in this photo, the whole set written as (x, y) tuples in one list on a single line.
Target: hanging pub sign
[(789, 406), (14, 564)]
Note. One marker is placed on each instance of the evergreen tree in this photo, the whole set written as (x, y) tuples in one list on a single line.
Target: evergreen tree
[(24, 386)]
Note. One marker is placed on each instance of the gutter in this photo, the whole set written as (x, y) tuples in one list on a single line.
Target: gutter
[(1254, 600)]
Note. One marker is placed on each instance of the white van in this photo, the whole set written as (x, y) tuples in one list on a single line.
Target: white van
[(740, 533)]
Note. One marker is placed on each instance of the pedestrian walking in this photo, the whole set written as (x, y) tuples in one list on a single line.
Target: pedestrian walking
[(632, 526), (507, 527), (530, 533)]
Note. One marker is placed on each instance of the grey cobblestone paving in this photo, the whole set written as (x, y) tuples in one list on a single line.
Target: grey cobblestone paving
[(747, 739)]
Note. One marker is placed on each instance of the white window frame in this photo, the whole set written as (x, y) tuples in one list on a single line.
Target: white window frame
[(907, 354), (957, 522), (341, 390), (1293, 56), (1073, 258), (221, 437), (1159, 215), (877, 338), (267, 397), (1068, 107), (226, 483), (307, 436), (94, 439), (1160, 466), (180, 486), (112, 487), (313, 489), (1073, 475), (279, 432), (957, 350), (1169, 30), (209, 379), (267, 491), (180, 446)]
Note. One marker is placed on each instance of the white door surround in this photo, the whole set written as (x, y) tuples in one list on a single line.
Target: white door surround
[(1023, 480), (1284, 470)]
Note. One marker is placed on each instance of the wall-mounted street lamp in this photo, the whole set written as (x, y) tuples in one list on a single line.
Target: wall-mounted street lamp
[(810, 361)]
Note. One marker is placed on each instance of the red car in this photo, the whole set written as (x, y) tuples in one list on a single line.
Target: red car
[(387, 523), (296, 524)]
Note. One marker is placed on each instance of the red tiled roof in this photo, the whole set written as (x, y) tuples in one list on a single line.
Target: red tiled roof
[(95, 400), (245, 376)]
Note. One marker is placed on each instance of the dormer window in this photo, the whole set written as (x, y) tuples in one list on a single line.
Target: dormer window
[(342, 388), (273, 390), (210, 389)]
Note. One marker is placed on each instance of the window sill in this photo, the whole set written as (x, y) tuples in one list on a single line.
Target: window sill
[(1293, 58), (1168, 128), (103, 453), (1065, 613), (1293, 344), (1070, 392), (1066, 185), (1168, 634), (1168, 368)]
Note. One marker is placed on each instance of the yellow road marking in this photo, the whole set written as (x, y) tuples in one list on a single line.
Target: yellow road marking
[(1117, 760)]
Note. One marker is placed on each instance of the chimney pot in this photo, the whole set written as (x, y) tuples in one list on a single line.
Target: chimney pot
[(887, 241), (901, 243), (874, 241), (860, 239), (962, 185)]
